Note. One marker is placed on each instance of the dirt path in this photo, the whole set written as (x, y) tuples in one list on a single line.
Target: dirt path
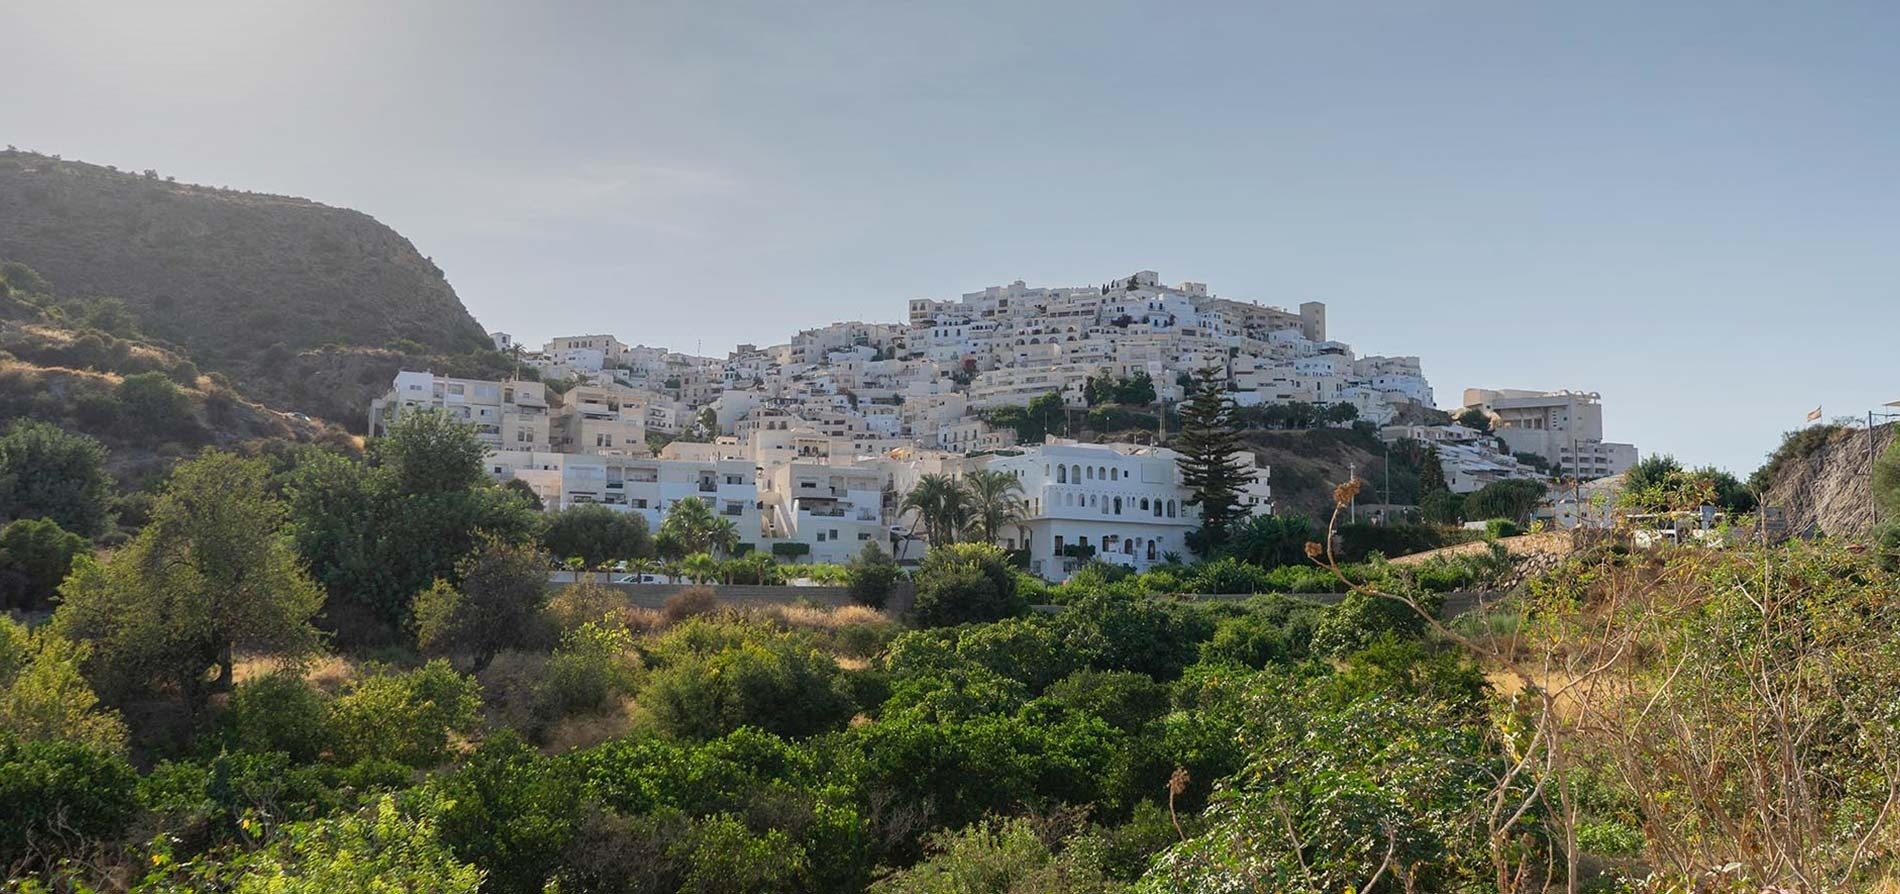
[(1549, 543)]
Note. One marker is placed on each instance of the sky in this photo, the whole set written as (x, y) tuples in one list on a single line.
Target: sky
[(1692, 208)]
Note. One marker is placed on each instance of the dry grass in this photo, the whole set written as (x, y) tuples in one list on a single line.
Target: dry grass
[(819, 618), (326, 672), (588, 730)]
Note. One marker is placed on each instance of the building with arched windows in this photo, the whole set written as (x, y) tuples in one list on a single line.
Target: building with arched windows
[(1121, 503)]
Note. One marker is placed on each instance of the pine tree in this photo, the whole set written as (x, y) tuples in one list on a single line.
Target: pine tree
[(1208, 444), (1431, 474)]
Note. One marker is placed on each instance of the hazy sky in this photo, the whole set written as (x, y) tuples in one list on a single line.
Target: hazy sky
[(1693, 209)]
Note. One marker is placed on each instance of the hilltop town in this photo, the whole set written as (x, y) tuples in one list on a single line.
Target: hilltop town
[(809, 446)]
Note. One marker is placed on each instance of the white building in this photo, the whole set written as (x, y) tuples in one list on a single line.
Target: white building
[(507, 416), (647, 486), (1121, 503), (1564, 427)]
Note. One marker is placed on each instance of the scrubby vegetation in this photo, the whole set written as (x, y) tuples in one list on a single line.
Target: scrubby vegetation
[(255, 692)]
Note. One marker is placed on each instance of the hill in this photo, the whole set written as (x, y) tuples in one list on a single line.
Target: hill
[(239, 280), (139, 396)]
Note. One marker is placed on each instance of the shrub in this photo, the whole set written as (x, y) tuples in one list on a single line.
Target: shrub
[(406, 717), (689, 603), (872, 575), (713, 677), (595, 664), (1126, 700), (588, 603), (155, 403), (35, 555), (57, 792), (964, 582), (279, 711)]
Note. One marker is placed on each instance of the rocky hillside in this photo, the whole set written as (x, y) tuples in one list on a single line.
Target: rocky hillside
[(239, 280), (1820, 479), (139, 396)]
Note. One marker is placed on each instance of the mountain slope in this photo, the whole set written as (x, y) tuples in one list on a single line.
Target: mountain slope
[(228, 275)]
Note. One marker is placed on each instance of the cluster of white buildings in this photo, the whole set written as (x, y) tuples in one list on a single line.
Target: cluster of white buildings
[(809, 445), (1563, 428), (812, 489)]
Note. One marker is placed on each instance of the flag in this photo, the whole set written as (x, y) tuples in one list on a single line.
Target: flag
[(1816, 414)]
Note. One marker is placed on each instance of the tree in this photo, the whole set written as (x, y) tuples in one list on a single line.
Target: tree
[(45, 697), (210, 574), (378, 532), (963, 582), (1474, 418), (35, 555), (691, 527), (49, 473), (1211, 460), (1270, 541), (597, 534), (1513, 499), (872, 574), (503, 589), (428, 452), (941, 504), (994, 503), (153, 402)]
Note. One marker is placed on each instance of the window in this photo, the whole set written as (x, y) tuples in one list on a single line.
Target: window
[(1091, 474), (1062, 474), (1118, 505)]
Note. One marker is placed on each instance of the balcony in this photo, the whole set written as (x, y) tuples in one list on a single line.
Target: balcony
[(708, 487)]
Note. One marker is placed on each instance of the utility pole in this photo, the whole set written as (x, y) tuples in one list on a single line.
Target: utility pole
[(1352, 475)]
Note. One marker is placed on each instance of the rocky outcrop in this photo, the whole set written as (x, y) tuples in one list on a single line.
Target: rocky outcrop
[(1825, 487)]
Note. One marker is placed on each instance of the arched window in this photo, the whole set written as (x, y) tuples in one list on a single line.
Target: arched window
[(1115, 474), (1091, 474), (1075, 474), (1170, 508), (1144, 504), (1118, 505), (1128, 547), (1151, 550), (1101, 472), (1062, 474)]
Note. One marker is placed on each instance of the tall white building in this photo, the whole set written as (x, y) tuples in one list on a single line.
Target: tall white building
[(1564, 427)]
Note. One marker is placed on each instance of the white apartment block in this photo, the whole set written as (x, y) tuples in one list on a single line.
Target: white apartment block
[(648, 486), (607, 420), (833, 510), (1564, 427), (507, 416)]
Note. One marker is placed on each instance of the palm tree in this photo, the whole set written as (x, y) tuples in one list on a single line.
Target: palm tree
[(688, 527), (995, 503), (723, 535), (940, 502), (700, 567)]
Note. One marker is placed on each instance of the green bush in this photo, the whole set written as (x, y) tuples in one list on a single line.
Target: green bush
[(595, 664), (872, 574), (1356, 542), (279, 711), (406, 717), (59, 793), (964, 582), (712, 677), (35, 555)]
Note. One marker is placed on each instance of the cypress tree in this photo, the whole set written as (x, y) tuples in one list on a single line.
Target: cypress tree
[(1208, 442)]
